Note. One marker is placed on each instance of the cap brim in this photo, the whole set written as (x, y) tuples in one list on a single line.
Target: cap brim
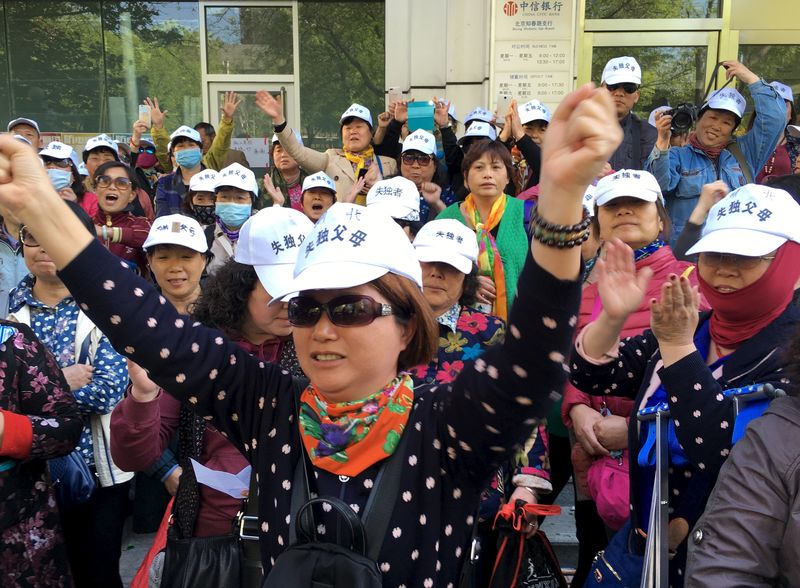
[(738, 242), (148, 244), (620, 79), (331, 276), (276, 278), (606, 198), (434, 254)]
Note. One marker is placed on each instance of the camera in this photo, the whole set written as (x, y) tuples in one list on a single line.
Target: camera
[(683, 118)]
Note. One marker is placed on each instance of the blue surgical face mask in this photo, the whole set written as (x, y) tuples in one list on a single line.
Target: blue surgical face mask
[(60, 178), (189, 158), (232, 215)]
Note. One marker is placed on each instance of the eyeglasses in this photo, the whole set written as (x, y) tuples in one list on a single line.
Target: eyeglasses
[(628, 87), (106, 181), (26, 238), (350, 310), (62, 163), (744, 262), (150, 150), (411, 159)]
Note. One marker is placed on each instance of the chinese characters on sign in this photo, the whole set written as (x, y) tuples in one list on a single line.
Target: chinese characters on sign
[(533, 49)]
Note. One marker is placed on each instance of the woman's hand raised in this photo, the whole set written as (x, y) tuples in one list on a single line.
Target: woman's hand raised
[(621, 288)]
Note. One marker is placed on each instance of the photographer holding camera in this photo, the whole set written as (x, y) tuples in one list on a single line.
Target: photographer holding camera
[(712, 152)]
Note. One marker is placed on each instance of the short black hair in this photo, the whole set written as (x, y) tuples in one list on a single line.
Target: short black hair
[(207, 128), (111, 165)]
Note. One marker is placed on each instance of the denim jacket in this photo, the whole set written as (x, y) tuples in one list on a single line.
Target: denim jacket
[(682, 171)]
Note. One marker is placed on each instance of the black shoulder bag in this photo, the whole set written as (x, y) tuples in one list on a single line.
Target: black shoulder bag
[(309, 562)]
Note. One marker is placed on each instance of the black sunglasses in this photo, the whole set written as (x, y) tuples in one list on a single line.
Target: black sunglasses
[(628, 87), (61, 163), (106, 181), (350, 310), (27, 238), (411, 158), (150, 150)]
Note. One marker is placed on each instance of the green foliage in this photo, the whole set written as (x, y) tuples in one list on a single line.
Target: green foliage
[(652, 8), (341, 62)]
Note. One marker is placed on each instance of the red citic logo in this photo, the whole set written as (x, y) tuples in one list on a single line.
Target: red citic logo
[(510, 8)]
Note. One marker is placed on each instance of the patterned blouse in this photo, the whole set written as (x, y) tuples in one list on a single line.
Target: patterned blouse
[(31, 384), (55, 328), (459, 433)]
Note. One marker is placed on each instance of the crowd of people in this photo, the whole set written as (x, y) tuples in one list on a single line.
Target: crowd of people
[(414, 329)]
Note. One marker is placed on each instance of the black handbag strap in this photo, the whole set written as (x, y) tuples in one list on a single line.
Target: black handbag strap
[(307, 533), (380, 504)]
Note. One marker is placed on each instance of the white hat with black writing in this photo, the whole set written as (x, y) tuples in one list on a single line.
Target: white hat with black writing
[(447, 241), (631, 183), (357, 111), (319, 180), (479, 130), (177, 229), (622, 70), (352, 245), (752, 220), (296, 133), (420, 140), (101, 141), (480, 114), (397, 197), (187, 132), (727, 99), (205, 181), (783, 91), (533, 110), (237, 176), (270, 241)]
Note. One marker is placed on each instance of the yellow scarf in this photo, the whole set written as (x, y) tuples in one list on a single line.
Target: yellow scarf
[(359, 161), (490, 263)]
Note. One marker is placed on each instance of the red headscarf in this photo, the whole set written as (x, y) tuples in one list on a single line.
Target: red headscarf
[(738, 316)]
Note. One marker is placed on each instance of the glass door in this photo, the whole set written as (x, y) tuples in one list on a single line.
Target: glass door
[(675, 65)]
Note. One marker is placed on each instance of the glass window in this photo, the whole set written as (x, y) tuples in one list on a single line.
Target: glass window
[(652, 8), (5, 92), (670, 75), (774, 63), (341, 62), (151, 49), (254, 40), (56, 63)]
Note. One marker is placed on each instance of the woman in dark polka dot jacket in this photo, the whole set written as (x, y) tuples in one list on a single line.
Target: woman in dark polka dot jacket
[(747, 270), (351, 348)]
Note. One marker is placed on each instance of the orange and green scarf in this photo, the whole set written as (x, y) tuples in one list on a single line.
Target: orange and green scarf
[(490, 262), (346, 438)]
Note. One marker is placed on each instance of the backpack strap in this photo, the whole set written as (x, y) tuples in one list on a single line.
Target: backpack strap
[(736, 151)]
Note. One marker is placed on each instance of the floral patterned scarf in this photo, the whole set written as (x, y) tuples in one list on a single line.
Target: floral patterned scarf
[(490, 262), (346, 438)]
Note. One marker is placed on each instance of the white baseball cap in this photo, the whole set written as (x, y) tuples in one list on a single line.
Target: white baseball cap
[(653, 113), (451, 112), (622, 70), (752, 220), (397, 197), (357, 111), (480, 114), (297, 136), (177, 229), (319, 180), (270, 241), (23, 121), (185, 131), (420, 140), (533, 110), (352, 245), (448, 241), (783, 90), (59, 150), (82, 169), (23, 139), (589, 198), (98, 142), (727, 99), (237, 176), (205, 181), (479, 130), (632, 183)]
